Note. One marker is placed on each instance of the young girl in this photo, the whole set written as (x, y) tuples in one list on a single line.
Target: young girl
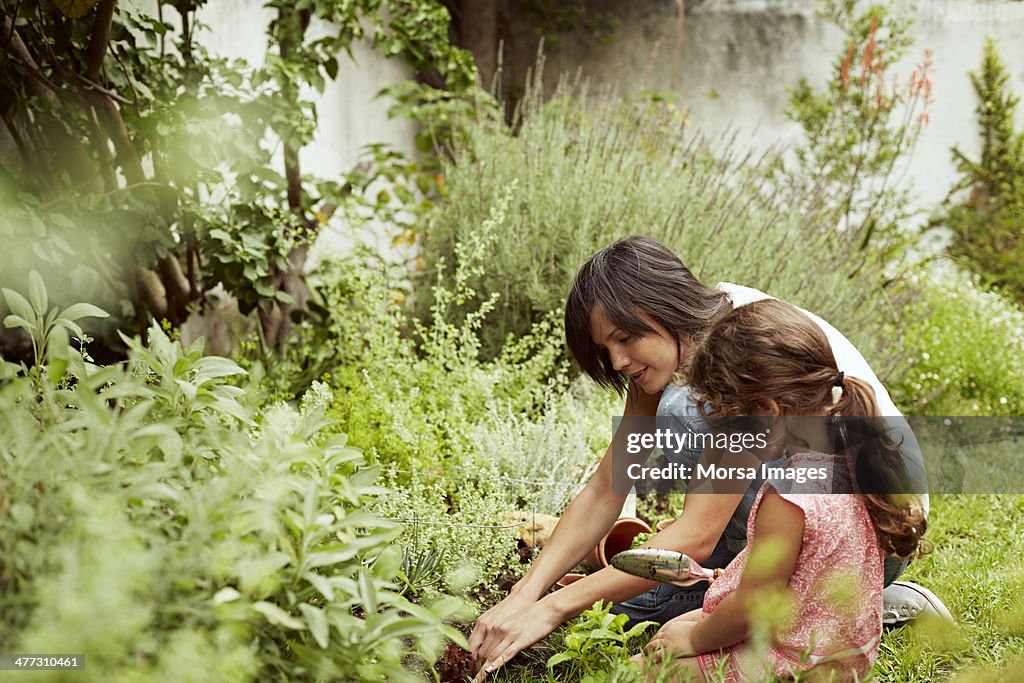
[(767, 358)]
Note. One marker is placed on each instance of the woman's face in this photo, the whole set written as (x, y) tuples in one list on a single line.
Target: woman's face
[(650, 360)]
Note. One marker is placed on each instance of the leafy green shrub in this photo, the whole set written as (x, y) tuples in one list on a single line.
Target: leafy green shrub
[(455, 523), (965, 354), (457, 519), (410, 392), (152, 518), (147, 171), (580, 174), (557, 448), (418, 399), (859, 131)]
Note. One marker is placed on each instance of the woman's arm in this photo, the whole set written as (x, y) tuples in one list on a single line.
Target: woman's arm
[(523, 618), (587, 518), (698, 529), (774, 549)]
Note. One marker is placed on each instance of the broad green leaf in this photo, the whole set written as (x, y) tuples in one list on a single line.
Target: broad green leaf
[(232, 408), (19, 305), (13, 321), (317, 623), (326, 558), (448, 606), (605, 634), (213, 367), (276, 615), (368, 592), (8, 370), (388, 563), (37, 292), (309, 505), (71, 327), (83, 310), (639, 629), (58, 343), (321, 583), (225, 595), (55, 370), (559, 658), (187, 388)]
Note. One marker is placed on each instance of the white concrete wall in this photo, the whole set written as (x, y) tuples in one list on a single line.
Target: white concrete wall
[(739, 56)]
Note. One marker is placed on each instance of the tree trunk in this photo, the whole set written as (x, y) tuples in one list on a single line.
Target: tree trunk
[(477, 25)]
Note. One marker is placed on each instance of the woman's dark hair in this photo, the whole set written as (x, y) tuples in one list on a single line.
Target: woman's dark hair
[(769, 351), (636, 275)]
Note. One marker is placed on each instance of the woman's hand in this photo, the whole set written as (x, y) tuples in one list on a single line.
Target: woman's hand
[(508, 634), (675, 637), (487, 630)]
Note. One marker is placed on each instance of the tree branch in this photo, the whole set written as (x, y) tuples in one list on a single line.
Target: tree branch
[(151, 293), (93, 86), (174, 279), (39, 84), (99, 39), (127, 155)]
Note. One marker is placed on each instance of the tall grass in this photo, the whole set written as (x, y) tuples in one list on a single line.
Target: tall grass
[(581, 171)]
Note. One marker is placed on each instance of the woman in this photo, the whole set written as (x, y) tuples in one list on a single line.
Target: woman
[(631, 318)]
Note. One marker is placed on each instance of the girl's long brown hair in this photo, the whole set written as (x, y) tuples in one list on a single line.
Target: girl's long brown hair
[(768, 351)]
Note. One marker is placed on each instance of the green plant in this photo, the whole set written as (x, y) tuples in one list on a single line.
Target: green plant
[(421, 570), (158, 520), (47, 327), (461, 439), (986, 227), (580, 173), (558, 448), (453, 529), (860, 131), (964, 350), (414, 391), (143, 167), (595, 647)]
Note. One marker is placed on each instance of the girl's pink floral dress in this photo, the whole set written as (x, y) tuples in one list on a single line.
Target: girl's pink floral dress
[(836, 590)]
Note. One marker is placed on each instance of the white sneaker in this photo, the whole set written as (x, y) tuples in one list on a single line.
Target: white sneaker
[(904, 601)]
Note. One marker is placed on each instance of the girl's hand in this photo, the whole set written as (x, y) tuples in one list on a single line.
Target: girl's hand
[(675, 637)]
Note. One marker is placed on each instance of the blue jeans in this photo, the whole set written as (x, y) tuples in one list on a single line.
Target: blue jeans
[(666, 602), (663, 603)]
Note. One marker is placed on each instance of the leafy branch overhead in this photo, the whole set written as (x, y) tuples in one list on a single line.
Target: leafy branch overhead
[(142, 166)]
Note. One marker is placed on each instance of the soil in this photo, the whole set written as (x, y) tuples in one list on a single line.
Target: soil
[(454, 665)]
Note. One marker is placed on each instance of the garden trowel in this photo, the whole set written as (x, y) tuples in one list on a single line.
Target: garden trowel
[(666, 566)]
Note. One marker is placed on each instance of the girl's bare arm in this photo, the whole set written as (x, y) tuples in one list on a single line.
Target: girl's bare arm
[(774, 549)]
